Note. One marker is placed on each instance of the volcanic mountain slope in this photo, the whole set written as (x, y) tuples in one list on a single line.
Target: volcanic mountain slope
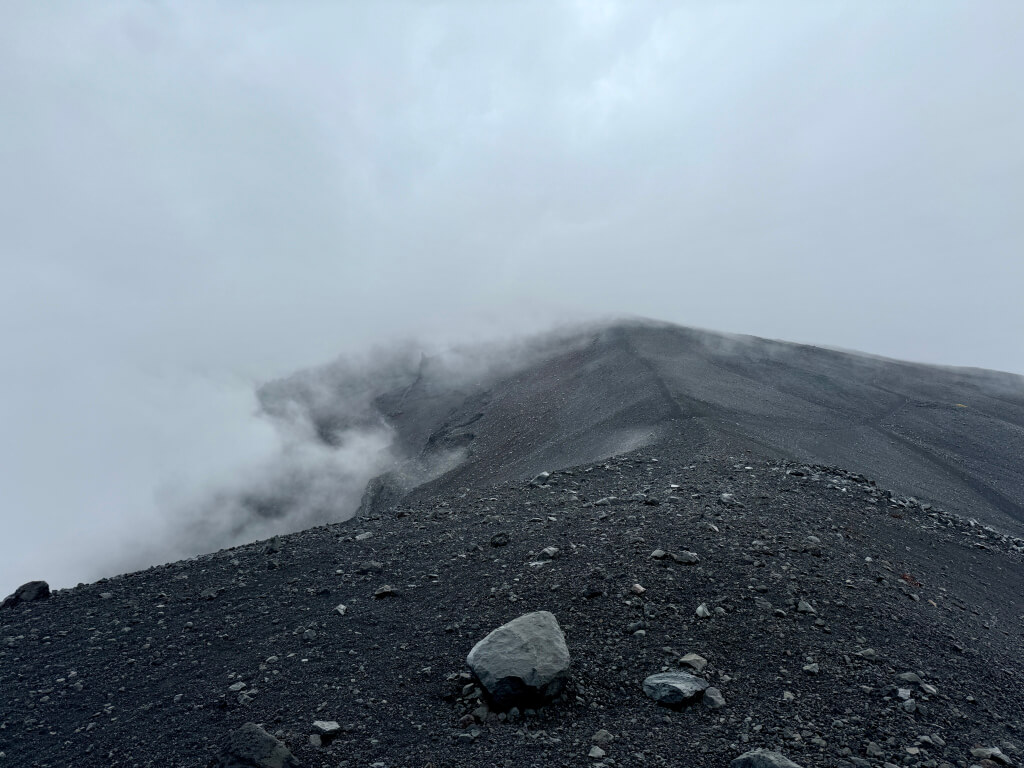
[(954, 436), (844, 625)]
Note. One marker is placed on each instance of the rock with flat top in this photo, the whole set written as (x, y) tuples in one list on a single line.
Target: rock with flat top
[(674, 688)]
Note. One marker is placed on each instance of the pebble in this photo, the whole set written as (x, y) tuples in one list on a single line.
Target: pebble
[(713, 698), (695, 662)]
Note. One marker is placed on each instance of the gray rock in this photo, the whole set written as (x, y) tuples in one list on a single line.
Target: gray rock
[(602, 737), (27, 593), (694, 661), (703, 612), (762, 758), (674, 688), (596, 753), (713, 699), (524, 659), (550, 553), (500, 539), (686, 558), (327, 727), (252, 747), (804, 607), (991, 753), (540, 479)]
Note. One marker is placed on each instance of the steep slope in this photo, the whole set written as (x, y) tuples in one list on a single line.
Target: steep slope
[(954, 436)]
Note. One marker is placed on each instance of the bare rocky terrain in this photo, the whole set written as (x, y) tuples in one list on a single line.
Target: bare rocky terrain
[(839, 620)]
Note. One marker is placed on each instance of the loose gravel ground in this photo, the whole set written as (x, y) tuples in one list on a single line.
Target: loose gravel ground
[(846, 626)]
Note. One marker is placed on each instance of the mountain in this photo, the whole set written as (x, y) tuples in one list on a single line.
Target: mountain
[(825, 546), (945, 435)]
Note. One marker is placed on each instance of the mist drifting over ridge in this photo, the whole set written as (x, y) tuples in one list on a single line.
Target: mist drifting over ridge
[(200, 198)]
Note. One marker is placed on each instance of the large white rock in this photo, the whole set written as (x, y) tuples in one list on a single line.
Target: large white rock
[(524, 659)]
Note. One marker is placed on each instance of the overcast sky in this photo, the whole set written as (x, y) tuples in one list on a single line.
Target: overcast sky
[(198, 196)]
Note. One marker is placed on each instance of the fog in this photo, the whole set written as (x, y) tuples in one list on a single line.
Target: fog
[(197, 198)]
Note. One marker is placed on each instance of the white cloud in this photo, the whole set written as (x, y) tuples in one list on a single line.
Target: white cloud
[(196, 196)]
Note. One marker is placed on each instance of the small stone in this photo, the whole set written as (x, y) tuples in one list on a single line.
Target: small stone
[(386, 591), (327, 727), (550, 553), (540, 479), (713, 698), (674, 688), (252, 747), (703, 612), (788, 696), (636, 589), (804, 607), (868, 653), (596, 753), (500, 539), (873, 750), (658, 554), (909, 705), (686, 558), (364, 536), (762, 758), (695, 662), (341, 610), (309, 635), (995, 754), (812, 669), (602, 737)]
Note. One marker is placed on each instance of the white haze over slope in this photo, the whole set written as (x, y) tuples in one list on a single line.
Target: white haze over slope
[(198, 197)]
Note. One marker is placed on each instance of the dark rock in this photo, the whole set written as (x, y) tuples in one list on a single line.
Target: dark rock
[(27, 593), (252, 747)]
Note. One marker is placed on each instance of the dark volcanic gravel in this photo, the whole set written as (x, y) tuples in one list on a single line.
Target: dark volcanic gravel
[(156, 668)]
